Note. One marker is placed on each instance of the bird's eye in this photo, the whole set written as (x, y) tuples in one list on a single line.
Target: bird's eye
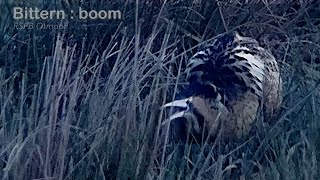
[(214, 107)]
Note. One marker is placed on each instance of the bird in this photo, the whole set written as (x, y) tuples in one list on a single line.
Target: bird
[(230, 80)]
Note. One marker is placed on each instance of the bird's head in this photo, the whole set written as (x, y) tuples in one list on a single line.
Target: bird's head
[(195, 108)]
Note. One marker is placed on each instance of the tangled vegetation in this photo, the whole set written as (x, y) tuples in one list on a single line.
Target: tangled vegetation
[(84, 102)]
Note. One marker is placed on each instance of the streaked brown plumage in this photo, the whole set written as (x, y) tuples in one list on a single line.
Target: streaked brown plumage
[(228, 81)]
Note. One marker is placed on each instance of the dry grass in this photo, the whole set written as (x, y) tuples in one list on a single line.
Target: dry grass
[(91, 110)]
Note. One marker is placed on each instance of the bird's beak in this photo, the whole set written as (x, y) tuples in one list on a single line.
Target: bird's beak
[(173, 117), (182, 103)]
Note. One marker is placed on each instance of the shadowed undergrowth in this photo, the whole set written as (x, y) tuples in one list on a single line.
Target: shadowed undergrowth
[(91, 109)]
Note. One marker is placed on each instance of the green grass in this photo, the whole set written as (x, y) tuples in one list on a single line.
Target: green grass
[(91, 109)]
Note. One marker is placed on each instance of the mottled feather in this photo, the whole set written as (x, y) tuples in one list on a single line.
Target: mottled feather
[(228, 81)]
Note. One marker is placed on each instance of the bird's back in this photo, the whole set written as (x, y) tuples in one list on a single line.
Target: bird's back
[(228, 81)]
